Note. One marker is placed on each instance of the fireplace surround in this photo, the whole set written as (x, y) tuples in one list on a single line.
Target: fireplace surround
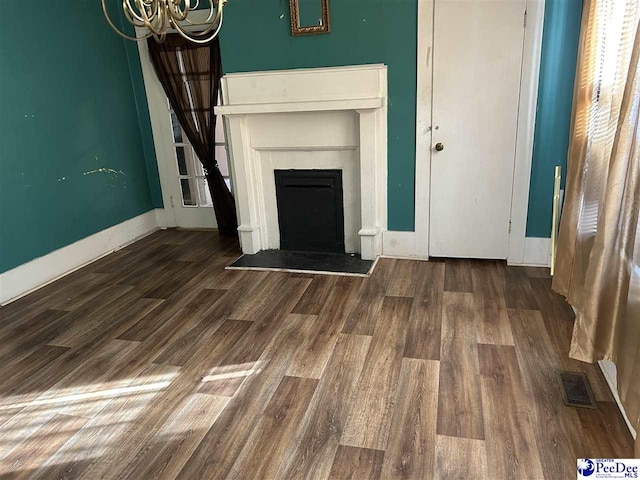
[(319, 118)]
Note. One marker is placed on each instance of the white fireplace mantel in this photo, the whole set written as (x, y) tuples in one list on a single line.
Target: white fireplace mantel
[(336, 117)]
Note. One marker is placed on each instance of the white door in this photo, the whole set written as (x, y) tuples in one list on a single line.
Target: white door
[(186, 198), (188, 191), (477, 58)]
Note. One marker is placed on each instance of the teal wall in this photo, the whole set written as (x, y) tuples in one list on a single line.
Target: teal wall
[(256, 35), (561, 32), (68, 111), (73, 102), (142, 107)]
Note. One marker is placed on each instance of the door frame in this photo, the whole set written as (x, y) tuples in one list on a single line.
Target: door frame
[(157, 102), (533, 16), (161, 128)]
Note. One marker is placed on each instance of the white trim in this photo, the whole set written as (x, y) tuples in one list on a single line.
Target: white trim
[(312, 272), (157, 102), (399, 244), (609, 372), (537, 253), (161, 217), (526, 127), (530, 72), (38, 272), (423, 128), (291, 107)]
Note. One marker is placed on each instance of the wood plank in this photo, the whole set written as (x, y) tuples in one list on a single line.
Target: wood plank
[(266, 322), (220, 447), (492, 325), (275, 432), (403, 278), (169, 280), (425, 319), (312, 454), (459, 316), (362, 318), (101, 435), (164, 455), (460, 458), (538, 272), (492, 321), (517, 289), (181, 388), (459, 396), (607, 418), (137, 409), (29, 365), (315, 296), (370, 413), (192, 303), (508, 420), (44, 442), (262, 295), (315, 350), (46, 326), (352, 463), (488, 280), (457, 276), (182, 349), (127, 313), (91, 386), (410, 452), (559, 442), (225, 380)]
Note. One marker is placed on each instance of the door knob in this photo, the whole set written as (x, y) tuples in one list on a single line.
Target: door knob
[(439, 146)]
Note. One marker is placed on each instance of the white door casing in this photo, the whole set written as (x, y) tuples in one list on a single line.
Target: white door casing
[(476, 79), (532, 19), (176, 214)]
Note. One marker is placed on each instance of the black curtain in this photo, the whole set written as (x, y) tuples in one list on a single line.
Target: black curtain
[(190, 75)]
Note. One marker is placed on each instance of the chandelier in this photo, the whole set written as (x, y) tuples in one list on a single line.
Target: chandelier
[(157, 16)]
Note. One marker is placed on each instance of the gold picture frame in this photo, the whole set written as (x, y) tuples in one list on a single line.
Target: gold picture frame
[(297, 29)]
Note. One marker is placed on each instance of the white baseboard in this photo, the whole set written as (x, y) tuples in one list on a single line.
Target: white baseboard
[(537, 253), (161, 218), (40, 271), (398, 244), (610, 375)]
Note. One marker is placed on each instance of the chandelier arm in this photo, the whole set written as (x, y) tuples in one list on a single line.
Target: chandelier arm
[(186, 35), (176, 13), (131, 19), (113, 27), (195, 34), (156, 23), (132, 15), (208, 21), (157, 16)]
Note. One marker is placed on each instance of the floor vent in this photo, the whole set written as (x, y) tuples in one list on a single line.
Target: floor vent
[(576, 390)]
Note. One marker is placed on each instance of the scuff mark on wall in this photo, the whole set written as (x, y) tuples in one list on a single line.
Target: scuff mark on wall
[(111, 174), (109, 171)]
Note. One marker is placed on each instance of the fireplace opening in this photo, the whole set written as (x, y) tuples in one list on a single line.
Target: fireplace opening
[(310, 210)]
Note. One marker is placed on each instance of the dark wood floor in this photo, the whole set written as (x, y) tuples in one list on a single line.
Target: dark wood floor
[(155, 362)]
